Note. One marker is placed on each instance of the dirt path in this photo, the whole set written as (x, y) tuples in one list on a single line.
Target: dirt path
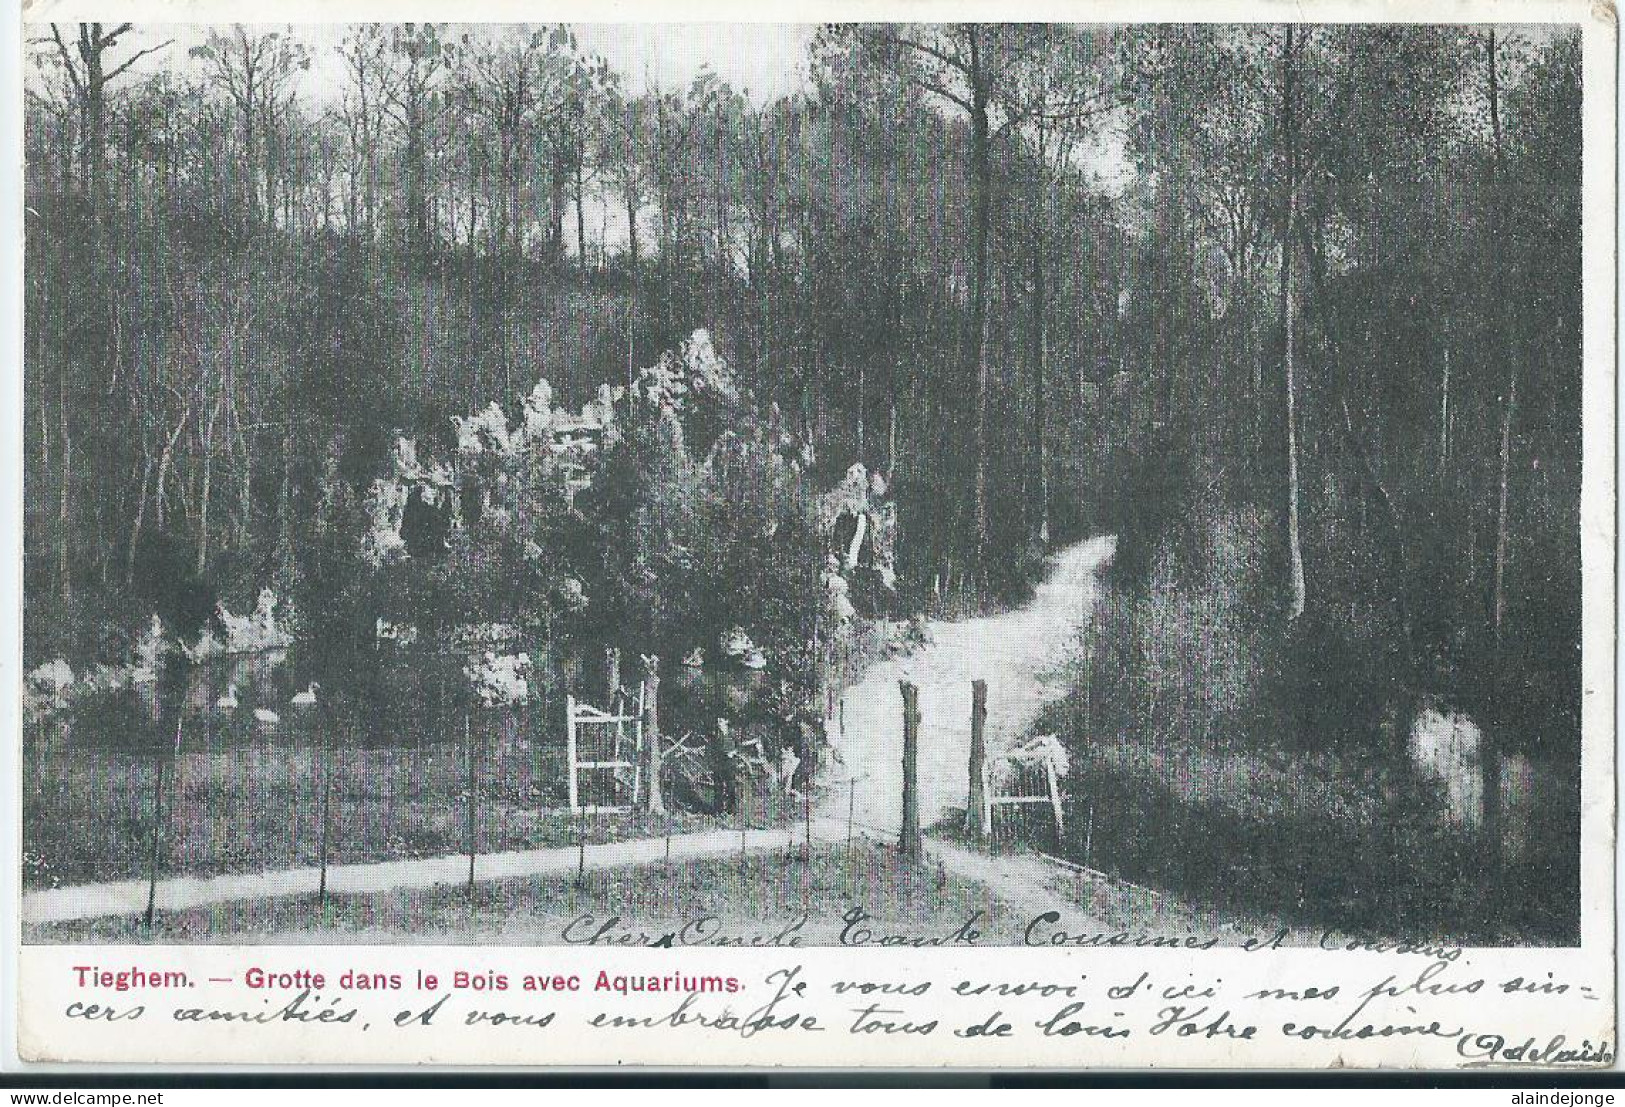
[(1012, 651), (129, 897)]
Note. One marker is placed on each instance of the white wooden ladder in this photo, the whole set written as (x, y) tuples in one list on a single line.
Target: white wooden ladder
[(605, 750)]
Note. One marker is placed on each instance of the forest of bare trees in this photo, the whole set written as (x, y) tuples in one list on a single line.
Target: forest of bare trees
[(1336, 277)]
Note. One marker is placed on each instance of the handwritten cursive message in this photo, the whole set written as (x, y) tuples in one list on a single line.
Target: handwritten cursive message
[(849, 989)]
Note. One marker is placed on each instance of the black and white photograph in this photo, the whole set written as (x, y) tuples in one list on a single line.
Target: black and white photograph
[(877, 485)]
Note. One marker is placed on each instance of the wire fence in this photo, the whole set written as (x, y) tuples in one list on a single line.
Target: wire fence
[(317, 788), (246, 789), (89, 810)]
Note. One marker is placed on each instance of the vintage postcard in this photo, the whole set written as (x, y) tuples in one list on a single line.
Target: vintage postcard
[(780, 537)]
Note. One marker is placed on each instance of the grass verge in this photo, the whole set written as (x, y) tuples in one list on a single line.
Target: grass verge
[(717, 901)]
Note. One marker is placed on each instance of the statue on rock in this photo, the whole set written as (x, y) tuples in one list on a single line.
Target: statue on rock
[(382, 544), (859, 519), (537, 430), (149, 653)]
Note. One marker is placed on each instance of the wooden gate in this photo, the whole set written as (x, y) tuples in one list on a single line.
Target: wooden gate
[(1027, 774), (606, 756)]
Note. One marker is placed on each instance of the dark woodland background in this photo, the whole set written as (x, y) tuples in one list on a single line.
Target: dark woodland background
[(1316, 361)]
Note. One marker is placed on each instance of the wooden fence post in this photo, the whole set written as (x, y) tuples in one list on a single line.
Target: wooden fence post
[(468, 744), (908, 844), (742, 791), (612, 678), (807, 790), (976, 809), (1489, 757), (654, 803), (327, 796), (723, 768), (157, 821), (570, 748)]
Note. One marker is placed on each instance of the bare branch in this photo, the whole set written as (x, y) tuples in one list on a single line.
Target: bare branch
[(930, 84), (67, 61), (940, 90), (112, 37), (925, 48), (137, 57), (1090, 108)]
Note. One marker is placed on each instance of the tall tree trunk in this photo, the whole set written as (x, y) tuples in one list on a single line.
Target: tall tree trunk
[(503, 198), (284, 499), (1501, 528), (891, 436), (1195, 331), (352, 204), (1256, 356), (64, 502), (632, 232), (245, 500), (981, 186), (417, 219), (1509, 345), (135, 527), (43, 408), (92, 116), (581, 218), (1444, 410), (1040, 355), (556, 192), (861, 390), (251, 186), (1294, 538), (632, 295), (1490, 754), (369, 150), (268, 168), (206, 487), (94, 143)]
